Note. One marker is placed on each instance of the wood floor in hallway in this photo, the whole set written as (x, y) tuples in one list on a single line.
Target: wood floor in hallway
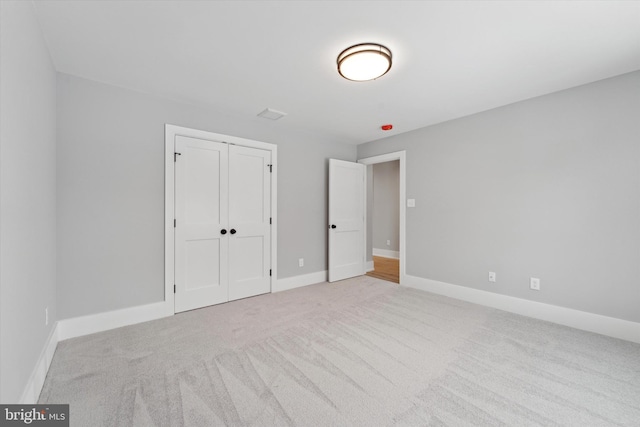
[(386, 269)]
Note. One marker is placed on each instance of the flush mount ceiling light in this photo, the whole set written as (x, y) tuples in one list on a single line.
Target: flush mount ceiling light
[(365, 61)]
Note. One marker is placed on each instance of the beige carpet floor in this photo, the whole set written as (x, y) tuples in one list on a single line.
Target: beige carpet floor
[(361, 352)]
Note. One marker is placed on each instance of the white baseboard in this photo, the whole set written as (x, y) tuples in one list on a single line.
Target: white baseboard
[(34, 385), (386, 253), (299, 281), (591, 322), (85, 325), (369, 266)]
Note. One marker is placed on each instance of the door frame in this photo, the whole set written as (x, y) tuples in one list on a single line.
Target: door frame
[(171, 131), (402, 157)]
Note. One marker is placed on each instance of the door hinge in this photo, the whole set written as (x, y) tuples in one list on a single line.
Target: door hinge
[(174, 288), (270, 272), (270, 168), (270, 221), (175, 156), (174, 223)]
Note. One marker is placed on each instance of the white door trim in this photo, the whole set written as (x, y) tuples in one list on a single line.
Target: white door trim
[(402, 157), (171, 131)]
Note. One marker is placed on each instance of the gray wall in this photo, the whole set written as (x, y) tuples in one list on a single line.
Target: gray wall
[(547, 188), (386, 209), (111, 192), (27, 196)]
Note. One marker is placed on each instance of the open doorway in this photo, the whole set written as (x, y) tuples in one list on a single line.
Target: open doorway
[(385, 219), (383, 200)]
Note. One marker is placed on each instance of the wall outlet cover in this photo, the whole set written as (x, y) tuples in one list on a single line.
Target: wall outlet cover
[(534, 283)]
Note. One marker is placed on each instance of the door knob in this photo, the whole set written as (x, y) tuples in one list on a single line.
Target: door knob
[(232, 231), (223, 231), (333, 226)]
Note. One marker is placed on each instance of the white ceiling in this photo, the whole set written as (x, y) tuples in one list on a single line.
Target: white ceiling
[(451, 58)]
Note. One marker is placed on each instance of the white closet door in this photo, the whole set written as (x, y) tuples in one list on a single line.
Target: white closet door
[(249, 222), (346, 219), (201, 212)]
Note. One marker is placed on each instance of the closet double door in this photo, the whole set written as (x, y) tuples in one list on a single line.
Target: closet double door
[(222, 222)]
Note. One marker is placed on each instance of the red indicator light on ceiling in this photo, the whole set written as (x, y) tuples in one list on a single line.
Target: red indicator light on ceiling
[(386, 127)]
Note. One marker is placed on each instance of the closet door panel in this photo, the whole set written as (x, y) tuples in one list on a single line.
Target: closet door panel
[(249, 222), (201, 212)]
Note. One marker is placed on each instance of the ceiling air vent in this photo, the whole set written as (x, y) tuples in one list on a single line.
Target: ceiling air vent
[(270, 114)]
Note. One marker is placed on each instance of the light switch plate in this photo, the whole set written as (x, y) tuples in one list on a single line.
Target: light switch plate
[(411, 203)]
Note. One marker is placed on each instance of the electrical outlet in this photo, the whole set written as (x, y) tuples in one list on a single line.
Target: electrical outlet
[(301, 262), (46, 316), (492, 276), (388, 242), (534, 283)]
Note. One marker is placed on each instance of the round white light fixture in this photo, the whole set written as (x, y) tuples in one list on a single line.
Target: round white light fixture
[(365, 61)]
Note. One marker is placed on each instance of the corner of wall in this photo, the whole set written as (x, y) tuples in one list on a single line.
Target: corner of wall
[(34, 385)]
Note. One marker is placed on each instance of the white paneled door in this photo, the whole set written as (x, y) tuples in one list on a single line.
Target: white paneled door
[(222, 235), (201, 213), (249, 222), (346, 219)]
